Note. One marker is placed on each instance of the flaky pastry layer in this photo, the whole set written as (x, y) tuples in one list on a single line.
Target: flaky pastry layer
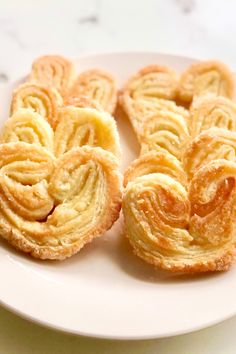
[(29, 127), (53, 71), (145, 93), (209, 111), (165, 131), (180, 230), (210, 145), (50, 208), (38, 98), (98, 86), (206, 77), (85, 126)]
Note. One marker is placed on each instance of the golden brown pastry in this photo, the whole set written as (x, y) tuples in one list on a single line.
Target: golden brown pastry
[(51, 208), (138, 110), (209, 111), (153, 81), (150, 90), (211, 144), (38, 98), (184, 231), (85, 126), (155, 162), (82, 102), (206, 77), (165, 131), (28, 127), (98, 86), (53, 71)]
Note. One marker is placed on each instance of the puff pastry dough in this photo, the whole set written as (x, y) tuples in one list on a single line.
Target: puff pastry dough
[(180, 230), (51, 208), (86, 126), (28, 127), (211, 144), (138, 110), (98, 86), (211, 111), (206, 77), (38, 98), (180, 194), (153, 81), (165, 131), (150, 90), (82, 102), (155, 162), (53, 71)]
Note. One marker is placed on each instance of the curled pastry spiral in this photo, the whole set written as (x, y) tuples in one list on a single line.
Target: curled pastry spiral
[(138, 110), (53, 71), (211, 144), (184, 231), (150, 90), (155, 162), (51, 208), (98, 86), (166, 131), (29, 127), (153, 81), (85, 126), (206, 77), (211, 111), (38, 98)]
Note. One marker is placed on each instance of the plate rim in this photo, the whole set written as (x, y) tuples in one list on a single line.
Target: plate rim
[(61, 328), (64, 330)]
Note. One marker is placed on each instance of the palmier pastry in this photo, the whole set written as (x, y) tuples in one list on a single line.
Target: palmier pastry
[(85, 126), (53, 71), (211, 144), (184, 231), (155, 162), (206, 77), (98, 86), (165, 131), (38, 98), (211, 111), (138, 110), (51, 208), (28, 127), (147, 92)]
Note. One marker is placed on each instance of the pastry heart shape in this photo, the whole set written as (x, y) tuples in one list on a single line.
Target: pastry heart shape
[(85, 126), (184, 230), (98, 86), (29, 127), (53, 71), (211, 144), (208, 111), (41, 99), (52, 207), (165, 131), (148, 92), (206, 77), (76, 127)]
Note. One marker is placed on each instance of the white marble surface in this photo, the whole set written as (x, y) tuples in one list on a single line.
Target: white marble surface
[(198, 28)]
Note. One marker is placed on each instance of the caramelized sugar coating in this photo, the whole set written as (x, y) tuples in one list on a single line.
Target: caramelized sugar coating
[(206, 77), (98, 86), (53, 71), (38, 98)]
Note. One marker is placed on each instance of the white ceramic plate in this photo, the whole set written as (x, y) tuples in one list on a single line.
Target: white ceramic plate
[(105, 291)]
